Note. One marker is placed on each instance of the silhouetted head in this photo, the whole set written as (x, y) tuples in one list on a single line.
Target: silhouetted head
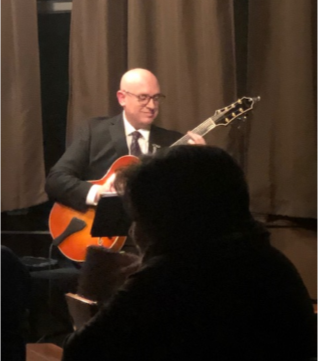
[(184, 194)]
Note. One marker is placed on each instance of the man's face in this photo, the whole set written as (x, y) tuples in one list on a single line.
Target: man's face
[(139, 109)]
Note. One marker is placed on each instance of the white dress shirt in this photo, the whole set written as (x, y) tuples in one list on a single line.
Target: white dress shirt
[(144, 145), (143, 140)]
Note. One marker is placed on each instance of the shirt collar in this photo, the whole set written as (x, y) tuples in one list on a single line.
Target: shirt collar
[(129, 129)]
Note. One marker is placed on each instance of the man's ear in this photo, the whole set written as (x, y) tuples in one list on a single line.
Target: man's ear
[(120, 97)]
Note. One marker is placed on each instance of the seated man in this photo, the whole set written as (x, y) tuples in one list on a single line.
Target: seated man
[(102, 141), (211, 286), (15, 304)]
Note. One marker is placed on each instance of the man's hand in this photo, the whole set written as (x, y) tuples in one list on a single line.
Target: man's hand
[(107, 187), (195, 138)]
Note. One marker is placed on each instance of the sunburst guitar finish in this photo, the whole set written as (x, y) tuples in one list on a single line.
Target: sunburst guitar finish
[(74, 246)]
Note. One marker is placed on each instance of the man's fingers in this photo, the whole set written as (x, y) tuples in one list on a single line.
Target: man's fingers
[(195, 138)]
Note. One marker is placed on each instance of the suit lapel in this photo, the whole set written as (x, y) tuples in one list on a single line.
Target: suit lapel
[(118, 136), (154, 140)]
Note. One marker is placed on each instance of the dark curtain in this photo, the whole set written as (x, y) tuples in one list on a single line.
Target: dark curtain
[(22, 155), (97, 59), (282, 139)]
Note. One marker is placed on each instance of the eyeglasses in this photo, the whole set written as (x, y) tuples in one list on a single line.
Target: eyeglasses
[(144, 99)]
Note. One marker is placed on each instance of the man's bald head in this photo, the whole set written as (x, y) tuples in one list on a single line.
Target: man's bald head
[(137, 78), (135, 84)]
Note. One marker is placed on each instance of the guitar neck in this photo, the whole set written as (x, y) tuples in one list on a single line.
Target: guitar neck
[(201, 130), (223, 117)]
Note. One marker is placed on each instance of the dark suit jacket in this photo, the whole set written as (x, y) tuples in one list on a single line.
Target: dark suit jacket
[(101, 141)]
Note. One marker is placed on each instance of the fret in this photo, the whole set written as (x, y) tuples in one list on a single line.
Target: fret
[(202, 129)]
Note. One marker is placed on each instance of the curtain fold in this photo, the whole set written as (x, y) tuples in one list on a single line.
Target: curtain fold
[(282, 149), (97, 59), (22, 155)]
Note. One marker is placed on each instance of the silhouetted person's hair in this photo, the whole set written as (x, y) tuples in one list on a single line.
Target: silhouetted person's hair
[(185, 192)]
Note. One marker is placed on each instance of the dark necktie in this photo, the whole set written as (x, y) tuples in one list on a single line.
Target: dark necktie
[(135, 147)]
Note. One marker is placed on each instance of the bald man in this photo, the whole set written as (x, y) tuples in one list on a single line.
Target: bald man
[(103, 140)]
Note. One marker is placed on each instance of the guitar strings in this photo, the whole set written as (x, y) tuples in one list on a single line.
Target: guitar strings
[(201, 129), (207, 125)]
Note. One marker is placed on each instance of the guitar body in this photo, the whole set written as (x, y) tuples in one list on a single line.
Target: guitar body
[(74, 246)]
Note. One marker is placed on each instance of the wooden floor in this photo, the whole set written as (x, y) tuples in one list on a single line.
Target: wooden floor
[(43, 352)]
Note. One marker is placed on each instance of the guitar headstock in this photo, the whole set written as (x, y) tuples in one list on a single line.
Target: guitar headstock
[(222, 116), (235, 110)]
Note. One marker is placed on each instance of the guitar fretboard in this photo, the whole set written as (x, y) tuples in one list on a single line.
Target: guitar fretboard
[(201, 130)]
